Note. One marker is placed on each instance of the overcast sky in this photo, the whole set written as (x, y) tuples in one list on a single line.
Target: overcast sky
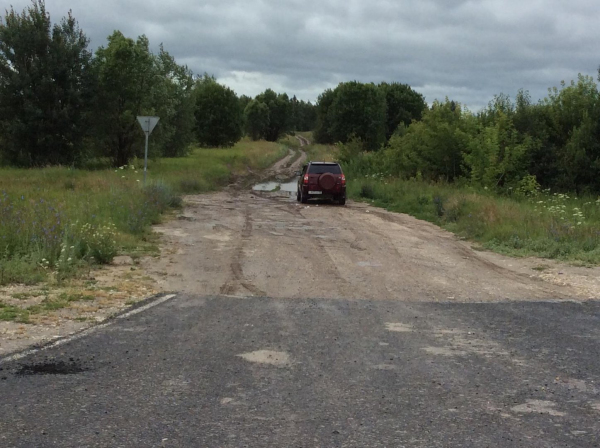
[(466, 50)]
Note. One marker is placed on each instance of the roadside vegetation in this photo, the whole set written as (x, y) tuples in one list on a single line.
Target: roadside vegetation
[(54, 222)]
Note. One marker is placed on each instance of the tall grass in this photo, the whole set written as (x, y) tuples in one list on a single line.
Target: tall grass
[(549, 225), (53, 220), (321, 153)]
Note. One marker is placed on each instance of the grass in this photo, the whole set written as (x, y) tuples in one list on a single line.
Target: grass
[(290, 141), (306, 134), (550, 225), (56, 222), (320, 153), (23, 314), (209, 169)]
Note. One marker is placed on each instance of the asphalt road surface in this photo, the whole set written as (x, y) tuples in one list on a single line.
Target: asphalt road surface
[(227, 372)]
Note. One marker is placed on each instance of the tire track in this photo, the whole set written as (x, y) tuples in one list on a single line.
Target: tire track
[(237, 274)]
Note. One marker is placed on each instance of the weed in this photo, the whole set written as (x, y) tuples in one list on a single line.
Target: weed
[(189, 186), (367, 192), (69, 184), (13, 313), (438, 204), (541, 267), (22, 296)]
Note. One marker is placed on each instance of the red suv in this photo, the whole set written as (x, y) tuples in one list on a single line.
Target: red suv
[(322, 180)]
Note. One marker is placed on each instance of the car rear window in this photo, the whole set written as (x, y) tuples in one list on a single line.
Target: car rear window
[(322, 169)]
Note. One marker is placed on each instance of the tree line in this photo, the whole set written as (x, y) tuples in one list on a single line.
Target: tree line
[(510, 146), (63, 104)]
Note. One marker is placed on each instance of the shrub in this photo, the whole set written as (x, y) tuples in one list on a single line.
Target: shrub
[(98, 242), (189, 186), (367, 192)]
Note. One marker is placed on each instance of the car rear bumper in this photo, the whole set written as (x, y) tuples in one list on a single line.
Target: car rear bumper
[(327, 194)]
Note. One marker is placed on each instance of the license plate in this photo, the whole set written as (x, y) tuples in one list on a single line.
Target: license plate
[(315, 192)]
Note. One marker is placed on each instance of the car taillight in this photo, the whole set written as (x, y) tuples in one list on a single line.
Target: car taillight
[(306, 179), (343, 180)]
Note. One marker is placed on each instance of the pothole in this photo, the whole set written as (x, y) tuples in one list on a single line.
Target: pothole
[(71, 367)]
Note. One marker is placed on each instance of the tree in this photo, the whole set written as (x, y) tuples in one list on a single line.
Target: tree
[(498, 155), (323, 125), (45, 83), (126, 77), (358, 110), (218, 114), (403, 105), (279, 108), (174, 102), (433, 147), (257, 119)]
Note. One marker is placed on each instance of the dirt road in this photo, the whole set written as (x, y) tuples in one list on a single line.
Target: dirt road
[(241, 243), (321, 325)]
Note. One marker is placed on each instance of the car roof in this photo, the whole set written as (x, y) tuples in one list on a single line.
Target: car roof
[(323, 163)]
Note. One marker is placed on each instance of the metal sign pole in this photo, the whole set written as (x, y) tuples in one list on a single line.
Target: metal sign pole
[(148, 124), (146, 158)]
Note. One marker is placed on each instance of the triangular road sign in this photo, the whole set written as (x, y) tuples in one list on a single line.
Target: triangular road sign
[(148, 123)]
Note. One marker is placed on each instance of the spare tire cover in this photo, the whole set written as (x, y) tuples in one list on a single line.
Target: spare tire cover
[(327, 181)]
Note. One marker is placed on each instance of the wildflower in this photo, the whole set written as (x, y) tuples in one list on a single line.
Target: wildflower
[(69, 259)]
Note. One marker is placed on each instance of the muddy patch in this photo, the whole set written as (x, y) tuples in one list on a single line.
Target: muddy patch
[(268, 357), (289, 187)]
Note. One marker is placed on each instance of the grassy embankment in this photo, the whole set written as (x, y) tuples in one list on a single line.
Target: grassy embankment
[(56, 221), (549, 225)]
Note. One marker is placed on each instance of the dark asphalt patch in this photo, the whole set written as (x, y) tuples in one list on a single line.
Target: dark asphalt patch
[(71, 367)]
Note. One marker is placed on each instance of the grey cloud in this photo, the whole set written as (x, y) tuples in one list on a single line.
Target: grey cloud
[(468, 50)]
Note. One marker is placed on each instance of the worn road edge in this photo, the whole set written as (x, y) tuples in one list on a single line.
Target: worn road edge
[(139, 307)]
